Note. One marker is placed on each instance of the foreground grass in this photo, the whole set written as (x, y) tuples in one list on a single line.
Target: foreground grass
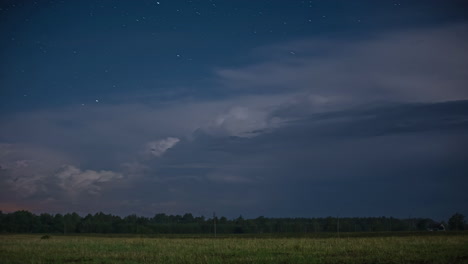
[(87, 249)]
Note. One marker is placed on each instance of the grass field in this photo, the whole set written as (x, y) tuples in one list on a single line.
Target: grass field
[(417, 248)]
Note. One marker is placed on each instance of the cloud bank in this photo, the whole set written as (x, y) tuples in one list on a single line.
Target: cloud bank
[(421, 65), (302, 122)]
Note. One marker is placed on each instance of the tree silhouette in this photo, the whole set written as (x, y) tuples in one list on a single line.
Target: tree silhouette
[(457, 222)]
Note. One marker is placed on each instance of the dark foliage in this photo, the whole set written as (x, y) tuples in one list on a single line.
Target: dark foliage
[(457, 222), (26, 222)]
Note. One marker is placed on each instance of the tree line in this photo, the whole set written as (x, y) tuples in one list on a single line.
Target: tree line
[(27, 222)]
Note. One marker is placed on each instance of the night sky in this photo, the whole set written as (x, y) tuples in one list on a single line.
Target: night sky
[(279, 108)]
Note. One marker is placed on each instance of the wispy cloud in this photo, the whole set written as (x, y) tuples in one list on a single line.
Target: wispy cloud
[(158, 147), (242, 121), (422, 64)]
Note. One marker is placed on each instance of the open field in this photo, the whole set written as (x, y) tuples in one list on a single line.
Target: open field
[(428, 248)]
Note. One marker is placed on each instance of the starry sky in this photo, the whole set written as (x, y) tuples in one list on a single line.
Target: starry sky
[(280, 108)]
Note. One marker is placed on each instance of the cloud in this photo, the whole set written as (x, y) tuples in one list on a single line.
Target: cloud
[(350, 152), (288, 124), (243, 122), (37, 172), (423, 64), (25, 168), (75, 181), (157, 148), (86, 133)]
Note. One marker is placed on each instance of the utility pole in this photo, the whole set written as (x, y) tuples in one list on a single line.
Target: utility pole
[(64, 225), (338, 225), (214, 223)]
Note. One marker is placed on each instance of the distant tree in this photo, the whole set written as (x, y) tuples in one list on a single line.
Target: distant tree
[(26, 222), (223, 220), (22, 222), (457, 222), (239, 220), (423, 224), (46, 222), (187, 218), (86, 224), (2, 222), (160, 219), (330, 224), (71, 222), (59, 224)]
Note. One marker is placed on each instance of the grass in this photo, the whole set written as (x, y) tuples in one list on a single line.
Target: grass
[(427, 248)]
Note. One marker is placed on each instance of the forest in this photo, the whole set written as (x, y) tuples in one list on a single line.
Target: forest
[(27, 222)]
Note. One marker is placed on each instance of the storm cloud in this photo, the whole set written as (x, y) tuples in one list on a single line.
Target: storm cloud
[(368, 125)]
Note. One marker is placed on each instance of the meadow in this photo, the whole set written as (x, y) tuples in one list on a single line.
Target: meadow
[(348, 248)]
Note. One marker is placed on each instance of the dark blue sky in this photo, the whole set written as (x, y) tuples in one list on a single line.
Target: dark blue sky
[(275, 108)]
